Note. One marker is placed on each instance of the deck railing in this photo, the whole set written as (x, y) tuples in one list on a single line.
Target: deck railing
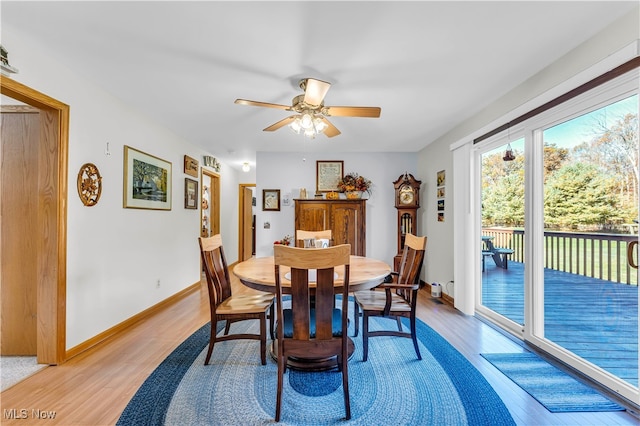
[(602, 256)]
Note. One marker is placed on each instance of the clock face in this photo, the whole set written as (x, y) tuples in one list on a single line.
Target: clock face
[(406, 195)]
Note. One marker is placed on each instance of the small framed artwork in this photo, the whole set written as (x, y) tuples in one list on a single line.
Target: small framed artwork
[(190, 194), (190, 166), (328, 174), (441, 192), (440, 205), (147, 181), (271, 199), (440, 178)]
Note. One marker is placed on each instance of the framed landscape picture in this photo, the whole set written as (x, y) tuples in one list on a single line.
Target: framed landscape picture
[(328, 174), (147, 181)]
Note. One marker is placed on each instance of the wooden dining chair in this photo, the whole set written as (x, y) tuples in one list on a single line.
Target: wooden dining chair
[(303, 235), (306, 332), (395, 299), (225, 306)]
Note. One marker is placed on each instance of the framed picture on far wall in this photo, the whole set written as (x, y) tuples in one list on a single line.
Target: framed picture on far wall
[(271, 199), (147, 181), (328, 174), (190, 194)]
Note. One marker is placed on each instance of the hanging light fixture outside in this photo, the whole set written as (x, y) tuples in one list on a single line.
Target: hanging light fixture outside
[(246, 167), (508, 154)]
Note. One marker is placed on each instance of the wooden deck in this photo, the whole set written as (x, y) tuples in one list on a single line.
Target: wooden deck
[(596, 319)]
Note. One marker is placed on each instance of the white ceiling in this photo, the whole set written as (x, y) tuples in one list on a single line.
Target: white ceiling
[(428, 65)]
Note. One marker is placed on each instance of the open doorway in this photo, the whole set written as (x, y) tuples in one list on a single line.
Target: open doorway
[(210, 212), (247, 219), (50, 171)]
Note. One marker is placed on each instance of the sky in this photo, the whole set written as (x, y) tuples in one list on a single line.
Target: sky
[(580, 129)]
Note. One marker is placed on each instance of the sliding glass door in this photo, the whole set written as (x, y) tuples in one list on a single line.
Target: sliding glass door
[(557, 220), (590, 211), (502, 240)]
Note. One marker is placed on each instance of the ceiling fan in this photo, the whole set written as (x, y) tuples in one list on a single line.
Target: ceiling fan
[(311, 113)]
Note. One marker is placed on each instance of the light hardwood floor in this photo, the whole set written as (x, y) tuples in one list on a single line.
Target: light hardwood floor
[(94, 387)]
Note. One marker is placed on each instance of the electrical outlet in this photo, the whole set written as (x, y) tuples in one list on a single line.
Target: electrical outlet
[(158, 284)]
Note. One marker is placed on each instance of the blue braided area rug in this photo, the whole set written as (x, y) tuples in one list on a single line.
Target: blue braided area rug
[(391, 388), (550, 386)]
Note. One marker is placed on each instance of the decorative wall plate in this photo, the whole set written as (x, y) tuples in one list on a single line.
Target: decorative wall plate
[(89, 184)]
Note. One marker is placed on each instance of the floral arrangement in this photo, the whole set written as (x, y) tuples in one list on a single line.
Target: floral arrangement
[(285, 241), (354, 182)]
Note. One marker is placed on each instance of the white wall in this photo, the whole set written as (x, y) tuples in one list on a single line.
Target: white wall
[(291, 171), (540, 88), (116, 255), (438, 263)]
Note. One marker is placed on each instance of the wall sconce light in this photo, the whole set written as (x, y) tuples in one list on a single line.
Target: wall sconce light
[(211, 162), (246, 167)]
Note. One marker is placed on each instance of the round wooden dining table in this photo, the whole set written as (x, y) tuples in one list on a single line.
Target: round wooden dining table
[(259, 273)]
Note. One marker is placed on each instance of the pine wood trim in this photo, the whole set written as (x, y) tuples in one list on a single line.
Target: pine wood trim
[(241, 224), (119, 328), (447, 299), (19, 109), (52, 218)]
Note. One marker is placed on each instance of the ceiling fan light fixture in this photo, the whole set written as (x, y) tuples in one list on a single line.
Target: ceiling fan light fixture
[(311, 112), (319, 125), (306, 121), (309, 124), (295, 126)]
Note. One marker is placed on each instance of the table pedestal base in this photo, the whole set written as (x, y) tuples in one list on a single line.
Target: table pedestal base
[(311, 364)]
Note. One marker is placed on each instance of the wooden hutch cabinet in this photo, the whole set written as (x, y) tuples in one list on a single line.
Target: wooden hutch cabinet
[(345, 218)]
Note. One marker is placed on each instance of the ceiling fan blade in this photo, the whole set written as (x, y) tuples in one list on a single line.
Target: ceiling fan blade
[(331, 130), (343, 111), (262, 104), (314, 91), (280, 123)]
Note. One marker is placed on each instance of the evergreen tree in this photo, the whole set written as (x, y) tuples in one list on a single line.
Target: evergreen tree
[(579, 194)]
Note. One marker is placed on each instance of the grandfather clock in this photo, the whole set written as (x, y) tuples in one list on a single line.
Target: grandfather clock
[(407, 202)]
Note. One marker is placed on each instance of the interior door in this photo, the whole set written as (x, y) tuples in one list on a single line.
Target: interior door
[(247, 224), (19, 206)]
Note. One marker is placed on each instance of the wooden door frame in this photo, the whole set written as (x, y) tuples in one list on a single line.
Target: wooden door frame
[(52, 219), (241, 225), (214, 191)]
